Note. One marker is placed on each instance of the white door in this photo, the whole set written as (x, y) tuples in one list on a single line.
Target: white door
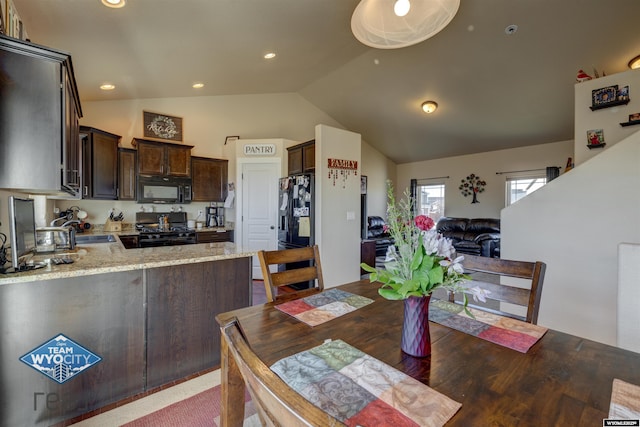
[(259, 208)]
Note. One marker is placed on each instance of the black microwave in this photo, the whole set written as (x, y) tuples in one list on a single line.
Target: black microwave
[(164, 189)]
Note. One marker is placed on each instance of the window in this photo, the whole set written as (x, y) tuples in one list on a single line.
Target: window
[(519, 187), (430, 201)]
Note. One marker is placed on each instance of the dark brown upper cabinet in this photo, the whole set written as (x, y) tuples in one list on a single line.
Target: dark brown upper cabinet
[(163, 158), (127, 173), (209, 179), (302, 157), (99, 164)]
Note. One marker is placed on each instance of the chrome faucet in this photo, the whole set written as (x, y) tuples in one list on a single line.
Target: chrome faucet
[(53, 223)]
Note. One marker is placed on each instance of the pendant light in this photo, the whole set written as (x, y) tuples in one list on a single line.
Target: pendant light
[(392, 24)]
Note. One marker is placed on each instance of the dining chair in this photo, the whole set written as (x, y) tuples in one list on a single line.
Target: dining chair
[(276, 403), (302, 265), (493, 274)]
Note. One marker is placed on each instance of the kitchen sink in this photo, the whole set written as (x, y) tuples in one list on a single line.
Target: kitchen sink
[(94, 238)]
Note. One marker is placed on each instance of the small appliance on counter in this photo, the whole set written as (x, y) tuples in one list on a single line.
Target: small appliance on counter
[(215, 216), (49, 239)]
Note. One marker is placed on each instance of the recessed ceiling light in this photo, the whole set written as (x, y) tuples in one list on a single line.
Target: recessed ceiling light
[(197, 85), (114, 3), (269, 55), (635, 63), (107, 86)]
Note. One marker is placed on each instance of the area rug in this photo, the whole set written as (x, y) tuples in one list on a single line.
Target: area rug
[(200, 410)]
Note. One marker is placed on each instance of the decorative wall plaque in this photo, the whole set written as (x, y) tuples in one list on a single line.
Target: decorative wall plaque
[(340, 169), (162, 126)]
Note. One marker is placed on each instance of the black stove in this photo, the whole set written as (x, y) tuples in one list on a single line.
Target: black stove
[(164, 229)]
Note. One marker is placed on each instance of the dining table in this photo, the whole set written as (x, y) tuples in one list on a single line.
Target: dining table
[(562, 379)]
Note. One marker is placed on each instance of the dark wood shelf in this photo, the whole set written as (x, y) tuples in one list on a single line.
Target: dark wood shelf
[(590, 146), (637, 122), (609, 104)]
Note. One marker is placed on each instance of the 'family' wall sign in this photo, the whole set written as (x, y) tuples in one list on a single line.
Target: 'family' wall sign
[(340, 169)]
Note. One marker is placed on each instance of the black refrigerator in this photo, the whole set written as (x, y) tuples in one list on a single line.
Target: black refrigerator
[(296, 211)]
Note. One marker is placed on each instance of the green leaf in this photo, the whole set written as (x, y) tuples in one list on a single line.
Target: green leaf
[(389, 294), (436, 275), (416, 260), (367, 267)]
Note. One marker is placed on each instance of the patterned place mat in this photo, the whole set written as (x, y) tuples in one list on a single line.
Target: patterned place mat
[(507, 332), (625, 401), (319, 308), (358, 389)]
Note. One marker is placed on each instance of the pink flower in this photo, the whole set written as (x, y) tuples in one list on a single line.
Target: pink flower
[(424, 223)]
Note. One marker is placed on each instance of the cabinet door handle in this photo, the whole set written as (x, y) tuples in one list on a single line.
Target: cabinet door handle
[(86, 190)]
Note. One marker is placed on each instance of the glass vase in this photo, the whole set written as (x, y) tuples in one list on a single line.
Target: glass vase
[(416, 339)]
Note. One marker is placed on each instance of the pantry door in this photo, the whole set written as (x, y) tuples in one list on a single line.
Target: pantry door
[(259, 199)]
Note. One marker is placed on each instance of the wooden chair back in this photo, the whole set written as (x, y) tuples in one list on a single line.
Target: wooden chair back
[(276, 403), (308, 258), (488, 273)]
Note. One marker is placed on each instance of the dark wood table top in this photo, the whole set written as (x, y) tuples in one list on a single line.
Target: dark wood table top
[(562, 380)]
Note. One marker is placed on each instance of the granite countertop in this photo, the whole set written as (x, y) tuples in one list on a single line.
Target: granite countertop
[(96, 258)]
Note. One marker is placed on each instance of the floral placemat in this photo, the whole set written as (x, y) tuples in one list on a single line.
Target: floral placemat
[(507, 332), (358, 389), (625, 401), (319, 308)]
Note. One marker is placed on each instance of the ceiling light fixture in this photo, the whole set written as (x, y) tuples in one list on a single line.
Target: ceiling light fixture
[(379, 23), (107, 86), (197, 85), (269, 55), (429, 106), (635, 63), (114, 3)]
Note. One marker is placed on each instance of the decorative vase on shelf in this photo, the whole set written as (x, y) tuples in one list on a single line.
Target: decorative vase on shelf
[(416, 339)]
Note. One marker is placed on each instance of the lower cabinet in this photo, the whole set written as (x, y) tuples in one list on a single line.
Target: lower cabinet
[(182, 303), (214, 236), (150, 327)]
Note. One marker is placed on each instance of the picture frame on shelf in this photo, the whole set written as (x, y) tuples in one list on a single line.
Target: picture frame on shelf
[(595, 138), (623, 93), (162, 126), (604, 95)]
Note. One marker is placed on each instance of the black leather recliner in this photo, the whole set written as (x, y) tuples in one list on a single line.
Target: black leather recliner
[(478, 236), (375, 231)]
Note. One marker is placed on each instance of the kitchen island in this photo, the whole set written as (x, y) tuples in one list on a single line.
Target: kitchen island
[(148, 314)]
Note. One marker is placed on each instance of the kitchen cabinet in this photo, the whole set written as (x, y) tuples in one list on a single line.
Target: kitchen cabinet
[(127, 162), (214, 236), (209, 179), (163, 158), (39, 113), (99, 164), (302, 158)]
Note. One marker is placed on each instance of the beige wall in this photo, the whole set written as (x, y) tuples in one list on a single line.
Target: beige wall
[(378, 169), (485, 165)]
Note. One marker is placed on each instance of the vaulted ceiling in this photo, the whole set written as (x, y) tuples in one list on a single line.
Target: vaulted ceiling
[(495, 90)]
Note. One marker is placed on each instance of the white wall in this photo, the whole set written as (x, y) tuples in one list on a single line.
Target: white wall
[(485, 165), (337, 236), (607, 119), (574, 224), (378, 169)]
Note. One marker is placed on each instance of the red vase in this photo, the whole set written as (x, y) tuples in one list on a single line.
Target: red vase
[(416, 340)]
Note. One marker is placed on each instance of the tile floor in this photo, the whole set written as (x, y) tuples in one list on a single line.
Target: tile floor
[(146, 405)]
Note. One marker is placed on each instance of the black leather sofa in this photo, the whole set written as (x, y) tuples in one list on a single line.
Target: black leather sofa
[(478, 236), (375, 231)]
